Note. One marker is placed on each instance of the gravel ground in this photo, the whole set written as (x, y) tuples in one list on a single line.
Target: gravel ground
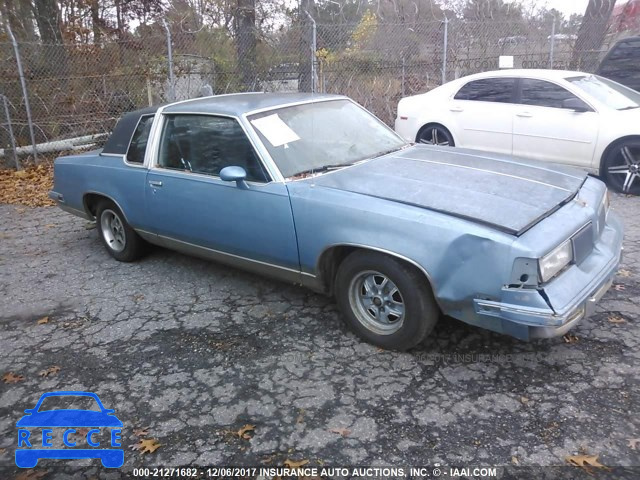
[(193, 351)]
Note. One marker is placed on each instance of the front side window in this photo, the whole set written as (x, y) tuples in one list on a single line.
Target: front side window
[(488, 90), (138, 145), (206, 144), (541, 93), (318, 136)]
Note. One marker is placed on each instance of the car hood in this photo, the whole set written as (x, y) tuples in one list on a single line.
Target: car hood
[(506, 193), (69, 418)]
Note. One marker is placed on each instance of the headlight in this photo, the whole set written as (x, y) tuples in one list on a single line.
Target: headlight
[(556, 260)]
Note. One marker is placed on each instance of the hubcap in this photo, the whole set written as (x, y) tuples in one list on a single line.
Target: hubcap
[(628, 172), (113, 230), (434, 136), (377, 302)]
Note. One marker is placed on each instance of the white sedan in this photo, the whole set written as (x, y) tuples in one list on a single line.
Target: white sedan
[(557, 116)]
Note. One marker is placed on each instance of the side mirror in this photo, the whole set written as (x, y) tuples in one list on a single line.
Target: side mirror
[(575, 104), (234, 174)]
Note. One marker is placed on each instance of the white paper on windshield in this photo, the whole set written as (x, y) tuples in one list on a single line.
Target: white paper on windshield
[(275, 130)]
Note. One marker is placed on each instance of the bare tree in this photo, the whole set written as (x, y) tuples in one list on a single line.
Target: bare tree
[(245, 26)]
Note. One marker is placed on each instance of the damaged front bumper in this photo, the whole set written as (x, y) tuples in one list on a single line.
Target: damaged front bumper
[(560, 304)]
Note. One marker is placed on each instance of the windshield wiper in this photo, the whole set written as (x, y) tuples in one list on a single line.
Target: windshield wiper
[(322, 168), (629, 108)]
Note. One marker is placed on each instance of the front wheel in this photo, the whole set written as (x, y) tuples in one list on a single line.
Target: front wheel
[(435, 134), (120, 240), (385, 301), (621, 167)]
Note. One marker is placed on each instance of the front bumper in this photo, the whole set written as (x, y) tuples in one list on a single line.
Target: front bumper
[(558, 306)]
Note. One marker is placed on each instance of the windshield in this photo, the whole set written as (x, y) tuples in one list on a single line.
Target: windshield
[(308, 137), (610, 93)]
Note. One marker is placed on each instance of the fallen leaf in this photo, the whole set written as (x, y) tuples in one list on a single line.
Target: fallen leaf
[(293, 464), (624, 273), (148, 445), (524, 400), (50, 225), (29, 187), (138, 297), (584, 461), (141, 432), (300, 418), (32, 475), (633, 443), (618, 287), (341, 431), (244, 432), (90, 226), (3, 451), (43, 320), (11, 377), (616, 319), (568, 338), (515, 460), (49, 371)]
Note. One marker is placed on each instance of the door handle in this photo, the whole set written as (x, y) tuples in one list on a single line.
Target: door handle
[(456, 109), (155, 183), (524, 114)]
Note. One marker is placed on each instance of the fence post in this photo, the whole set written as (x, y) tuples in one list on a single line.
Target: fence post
[(553, 41), (444, 52), (313, 52), (25, 94), (10, 127), (403, 75), (172, 91)]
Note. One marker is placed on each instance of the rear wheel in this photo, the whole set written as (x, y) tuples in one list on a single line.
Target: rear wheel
[(621, 167), (385, 301), (120, 240), (435, 134)]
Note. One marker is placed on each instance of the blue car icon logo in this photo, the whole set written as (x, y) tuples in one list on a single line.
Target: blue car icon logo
[(36, 435)]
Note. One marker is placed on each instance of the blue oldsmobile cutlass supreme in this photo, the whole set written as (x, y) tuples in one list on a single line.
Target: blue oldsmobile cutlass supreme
[(314, 190)]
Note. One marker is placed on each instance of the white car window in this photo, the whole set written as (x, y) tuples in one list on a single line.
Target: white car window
[(607, 92), (545, 94), (498, 90)]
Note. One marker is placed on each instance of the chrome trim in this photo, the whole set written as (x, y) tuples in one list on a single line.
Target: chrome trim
[(487, 171), (156, 157), (257, 266), (387, 252), (119, 155), (108, 198)]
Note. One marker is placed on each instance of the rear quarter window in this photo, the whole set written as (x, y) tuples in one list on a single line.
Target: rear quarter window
[(498, 90), (139, 140)]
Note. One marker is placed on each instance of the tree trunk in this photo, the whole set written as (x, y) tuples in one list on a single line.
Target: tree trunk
[(246, 42), (593, 29), (96, 22), (48, 21)]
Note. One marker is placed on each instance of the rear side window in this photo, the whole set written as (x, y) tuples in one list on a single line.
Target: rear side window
[(544, 94), (138, 145), (488, 90)]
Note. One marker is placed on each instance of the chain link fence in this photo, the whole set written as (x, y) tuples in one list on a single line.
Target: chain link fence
[(71, 95)]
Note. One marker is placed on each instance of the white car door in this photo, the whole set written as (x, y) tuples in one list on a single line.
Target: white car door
[(482, 114), (554, 125)]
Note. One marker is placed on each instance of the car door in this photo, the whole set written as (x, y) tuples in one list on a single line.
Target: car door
[(545, 130), (192, 209), (482, 114)]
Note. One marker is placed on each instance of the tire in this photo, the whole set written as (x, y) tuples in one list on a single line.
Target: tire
[(435, 134), (395, 314), (621, 167), (117, 236)]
